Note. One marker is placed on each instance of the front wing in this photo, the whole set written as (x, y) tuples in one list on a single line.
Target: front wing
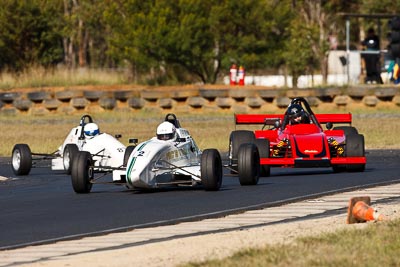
[(306, 163)]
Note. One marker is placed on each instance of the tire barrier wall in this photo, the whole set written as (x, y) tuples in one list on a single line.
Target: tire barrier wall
[(184, 99)]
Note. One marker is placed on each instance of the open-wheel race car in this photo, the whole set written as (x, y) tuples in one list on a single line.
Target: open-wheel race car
[(295, 139), (170, 159), (107, 149)]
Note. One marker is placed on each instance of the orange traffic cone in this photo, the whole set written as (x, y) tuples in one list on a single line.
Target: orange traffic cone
[(359, 211)]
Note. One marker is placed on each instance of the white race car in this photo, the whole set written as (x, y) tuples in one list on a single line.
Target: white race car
[(106, 149), (172, 158)]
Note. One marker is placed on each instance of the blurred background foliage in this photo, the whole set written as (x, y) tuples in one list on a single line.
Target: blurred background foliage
[(163, 42)]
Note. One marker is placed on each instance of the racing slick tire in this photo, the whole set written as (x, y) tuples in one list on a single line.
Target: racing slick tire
[(347, 129), (128, 152), (355, 148), (82, 172), (211, 170), (21, 159), (263, 150), (236, 139), (70, 152), (248, 164)]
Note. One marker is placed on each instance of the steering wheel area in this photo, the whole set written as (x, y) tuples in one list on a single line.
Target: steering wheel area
[(302, 102), (85, 119), (170, 117)]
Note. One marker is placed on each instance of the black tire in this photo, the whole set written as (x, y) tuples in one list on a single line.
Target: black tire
[(108, 103), (211, 170), (236, 139), (9, 97), (263, 150), (70, 152), (347, 129), (38, 97), (93, 95), (355, 148), (82, 172), (248, 164), (128, 152), (21, 159)]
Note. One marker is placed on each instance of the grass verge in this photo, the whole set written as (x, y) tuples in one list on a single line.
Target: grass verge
[(375, 245)]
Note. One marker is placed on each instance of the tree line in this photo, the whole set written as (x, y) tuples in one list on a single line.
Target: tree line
[(177, 41)]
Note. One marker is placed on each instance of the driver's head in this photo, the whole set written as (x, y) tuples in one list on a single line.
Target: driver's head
[(166, 131), (91, 129), (296, 113)]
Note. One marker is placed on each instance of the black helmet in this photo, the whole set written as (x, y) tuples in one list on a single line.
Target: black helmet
[(295, 111)]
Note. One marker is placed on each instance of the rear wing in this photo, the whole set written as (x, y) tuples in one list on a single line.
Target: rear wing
[(334, 118), (269, 119), (257, 118)]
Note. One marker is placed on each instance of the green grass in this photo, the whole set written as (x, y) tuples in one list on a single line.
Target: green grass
[(376, 245)]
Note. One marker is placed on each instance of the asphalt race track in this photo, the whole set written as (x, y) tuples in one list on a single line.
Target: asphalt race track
[(43, 207)]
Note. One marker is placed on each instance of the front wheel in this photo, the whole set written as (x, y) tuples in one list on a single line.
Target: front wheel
[(21, 159), (70, 152), (82, 172), (248, 164), (211, 170)]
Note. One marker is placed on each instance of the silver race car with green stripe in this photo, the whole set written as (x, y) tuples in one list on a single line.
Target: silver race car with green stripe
[(169, 159)]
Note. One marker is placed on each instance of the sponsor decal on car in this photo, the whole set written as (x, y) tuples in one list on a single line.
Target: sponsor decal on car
[(139, 153)]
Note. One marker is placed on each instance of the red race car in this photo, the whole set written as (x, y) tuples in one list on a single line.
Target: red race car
[(295, 139)]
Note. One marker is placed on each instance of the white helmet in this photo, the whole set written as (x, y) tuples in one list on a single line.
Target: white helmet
[(166, 131), (91, 129)]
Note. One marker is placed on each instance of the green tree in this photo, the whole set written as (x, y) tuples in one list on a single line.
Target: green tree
[(318, 19), (298, 54), (127, 40), (251, 32), (84, 33), (200, 37), (29, 34), (388, 7)]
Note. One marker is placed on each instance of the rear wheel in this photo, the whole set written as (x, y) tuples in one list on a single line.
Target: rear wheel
[(21, 159), (70, 152), (348, 130), (263, 150), (82, 172), (128, 152), (248, 164), (236, 139), (355, 148), (211, 170)]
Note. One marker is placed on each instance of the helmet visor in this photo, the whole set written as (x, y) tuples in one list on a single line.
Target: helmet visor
[(165, 136), (92, 132)]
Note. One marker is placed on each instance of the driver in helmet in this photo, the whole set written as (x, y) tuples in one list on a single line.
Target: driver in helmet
[(91, 130), (297, 115), (166, 131)]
